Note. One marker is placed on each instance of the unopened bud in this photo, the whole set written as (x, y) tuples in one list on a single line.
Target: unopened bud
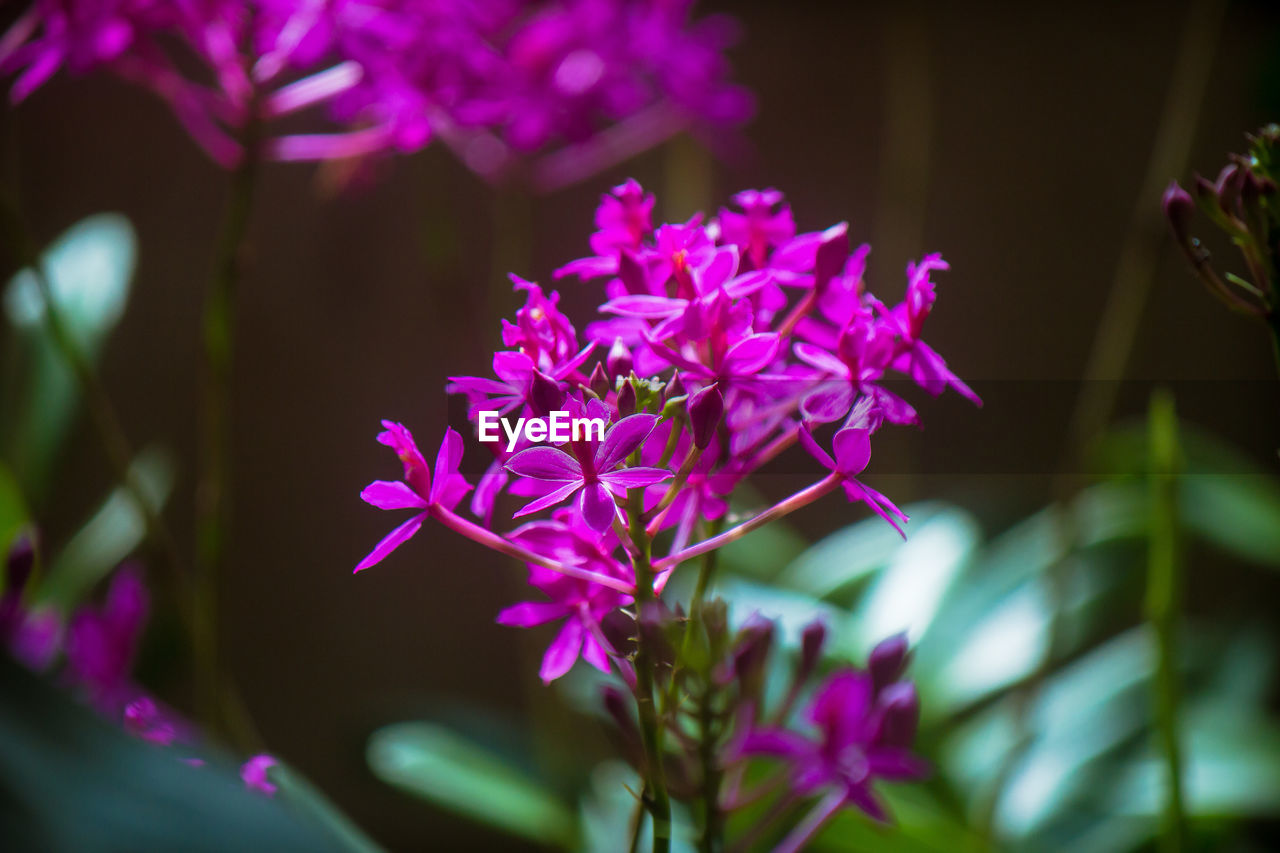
[(1229, 186), (618, 361), (901, 715), (675, 388), (812, 640), (1178, 209), (626, 399), (706, 408), (545, 394), (888, 661), (599, 381), (22, 558)]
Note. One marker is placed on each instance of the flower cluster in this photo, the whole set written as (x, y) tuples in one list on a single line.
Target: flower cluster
[(1242, 203), (490, 78), (721, 343)]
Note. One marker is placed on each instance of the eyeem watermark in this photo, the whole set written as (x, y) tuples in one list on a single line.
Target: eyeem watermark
[(557, 427)]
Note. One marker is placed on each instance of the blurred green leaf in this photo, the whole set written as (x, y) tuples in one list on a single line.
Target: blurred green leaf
[(72, 783), (1231, 766), (89, 269), (850, 555), (920, 825), (295, 789), (111, 535), (445, 768), (1224, 497)]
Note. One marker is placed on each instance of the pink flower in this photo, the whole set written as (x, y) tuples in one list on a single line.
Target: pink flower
[(418, 490), (256, 774), (591, 471), (580, 603)]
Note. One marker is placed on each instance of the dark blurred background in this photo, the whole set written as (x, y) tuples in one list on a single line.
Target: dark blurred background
[(1012, 137)]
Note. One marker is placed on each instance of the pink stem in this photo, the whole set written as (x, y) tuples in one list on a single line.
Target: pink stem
[(489, 539), (802, 498), (622, 141), (328, 146), (313, 89)]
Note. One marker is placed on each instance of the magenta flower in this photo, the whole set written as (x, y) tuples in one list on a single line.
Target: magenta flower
[(580, 603), (103, 639), (591, 471), (419, 490), (863, 735), (852, 448), (255, 773), (144, 719)]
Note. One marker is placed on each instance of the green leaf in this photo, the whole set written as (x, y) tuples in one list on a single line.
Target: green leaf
[(89, 269), (920, 825), (111, 535), (71, 781), (850, 555), (441, 766), (306, 798)]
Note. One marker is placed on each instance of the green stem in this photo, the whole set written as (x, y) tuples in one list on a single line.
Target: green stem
[(1163, 588), (212, 491), (659, 801)]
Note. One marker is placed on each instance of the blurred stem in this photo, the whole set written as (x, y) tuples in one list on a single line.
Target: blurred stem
[(659, 802), (1113, 343), (1162, 605), (213, 486)]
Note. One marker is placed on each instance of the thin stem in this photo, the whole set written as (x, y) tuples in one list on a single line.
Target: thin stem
[(489, 539), (650, 730), (1273, 323), (1163, 588), (1113, 343), (802, 498), (212, 491)]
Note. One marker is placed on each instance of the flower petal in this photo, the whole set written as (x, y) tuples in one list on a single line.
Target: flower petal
[(751, 354), (852, 447), (526, 614), (545, 463), (631, 478), (621, 441), (447, 461), (562, 652), (597, 507), (392, 541), (807, 442), (550, 499)]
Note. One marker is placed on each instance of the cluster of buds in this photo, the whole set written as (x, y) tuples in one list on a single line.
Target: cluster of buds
[(1242, 203), (491, 79), (722, 342)]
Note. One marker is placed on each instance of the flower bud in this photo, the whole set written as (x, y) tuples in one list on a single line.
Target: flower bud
[(888, 661), (901, 715), (751, 655), (618, 361), (833, 251), (1229, 186), (1178, 209), (812, 640), (626, 399), (675, 388), (22, 558), (599, 381), (706, 408), (545, 394)]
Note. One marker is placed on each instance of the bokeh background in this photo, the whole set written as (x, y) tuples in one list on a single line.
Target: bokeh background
[(1014, 138)]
